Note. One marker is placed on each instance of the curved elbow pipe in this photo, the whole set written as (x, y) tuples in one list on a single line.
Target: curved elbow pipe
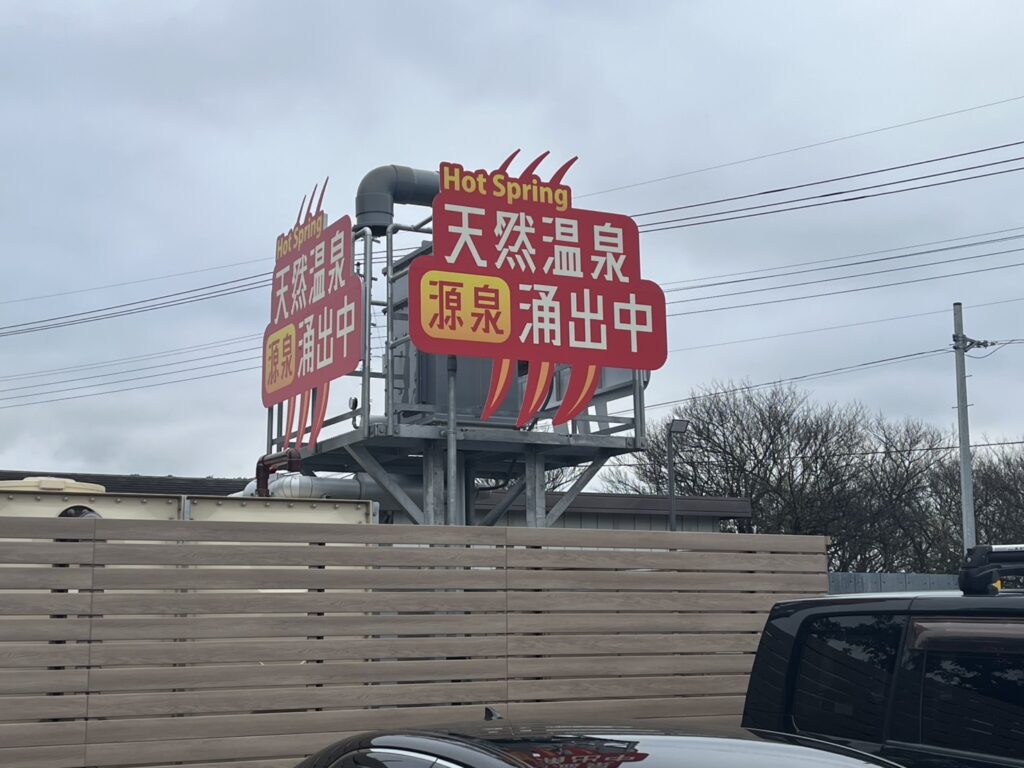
[(387, 185)]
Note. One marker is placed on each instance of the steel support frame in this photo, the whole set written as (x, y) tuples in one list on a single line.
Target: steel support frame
[(575, 489), (433, 483), (514, 492), (536, 504), (373, 468)]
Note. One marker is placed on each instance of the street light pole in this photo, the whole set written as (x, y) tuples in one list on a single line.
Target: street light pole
[(673, 428)]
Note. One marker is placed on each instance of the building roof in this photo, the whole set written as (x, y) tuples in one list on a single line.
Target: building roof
[(145, 484), (596, 503), (622, 503)]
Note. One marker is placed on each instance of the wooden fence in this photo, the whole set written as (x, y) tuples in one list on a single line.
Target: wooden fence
[(157, 643)]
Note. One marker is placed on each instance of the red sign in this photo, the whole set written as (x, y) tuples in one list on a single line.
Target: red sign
[(518, 273), (315, 330)]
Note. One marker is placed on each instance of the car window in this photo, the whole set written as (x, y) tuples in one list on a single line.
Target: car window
[(384, 758), (844, 675), (974, 702)]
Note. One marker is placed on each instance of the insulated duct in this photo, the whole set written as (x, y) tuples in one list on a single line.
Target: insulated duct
[(361, 487), (387, 185)]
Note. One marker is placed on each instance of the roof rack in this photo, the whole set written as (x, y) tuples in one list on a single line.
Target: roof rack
[(985, 564)]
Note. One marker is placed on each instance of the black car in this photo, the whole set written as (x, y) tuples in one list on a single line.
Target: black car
[(526, 746), (932, 680)]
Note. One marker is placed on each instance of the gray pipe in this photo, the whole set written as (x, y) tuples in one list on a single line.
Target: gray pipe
[(383, 187), (361, 486)]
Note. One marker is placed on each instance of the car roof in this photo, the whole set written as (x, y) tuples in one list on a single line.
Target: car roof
[(547, 746)]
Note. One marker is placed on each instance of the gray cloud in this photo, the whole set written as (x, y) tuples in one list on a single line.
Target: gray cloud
[(143, 139)]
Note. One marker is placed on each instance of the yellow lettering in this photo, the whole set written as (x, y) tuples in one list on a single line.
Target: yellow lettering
[(451, 176), (562, 199), (499, 184)]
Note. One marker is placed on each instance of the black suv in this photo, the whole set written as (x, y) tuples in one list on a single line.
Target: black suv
[(930, 680)]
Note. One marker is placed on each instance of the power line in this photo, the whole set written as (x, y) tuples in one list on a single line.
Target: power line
[(125, 381), (131, 389), (813, 145), (846, 290), (848, 277), (839, 192), (835, 179), (136, 303), (131, 282), (879, 260), (131, 359), (837, 327), (830, 202), (137, 310), (839, 258), (134, 370), (803, 377)]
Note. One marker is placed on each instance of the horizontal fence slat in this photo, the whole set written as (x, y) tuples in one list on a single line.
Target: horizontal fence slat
[(47, 528), (580, 645), (13, 577), (68, 603), (72, 756), (653, 581), (632, 688), (14, 629), (296, 578), (271, 554), (698, 542), (209, 652), (726, 602), (132, 753), (563, 623), (612, 709), (45, 553), (729, 563), (290, 626), (42, 734), (308, 602), (43, 655), (338, 533), (593, 666), (259, 676), (43, 681), (277, 699), (41, 707), (176, 728)]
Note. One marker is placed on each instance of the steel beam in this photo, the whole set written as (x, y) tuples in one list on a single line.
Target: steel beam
[(536, 506), (574, 490), (433, 484), (373, 468), (514, 492)]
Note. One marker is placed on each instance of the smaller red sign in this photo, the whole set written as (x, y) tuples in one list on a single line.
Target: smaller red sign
[(315, 330)]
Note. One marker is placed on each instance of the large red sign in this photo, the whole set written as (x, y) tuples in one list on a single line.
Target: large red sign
[(518, 274), (315, 330)]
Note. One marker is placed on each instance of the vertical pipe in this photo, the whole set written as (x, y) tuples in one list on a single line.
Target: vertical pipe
[(278, 442), (270, 430), (960, 346), (670, 458), (639, 418), (389, 376), (367, 317), (453, 468)]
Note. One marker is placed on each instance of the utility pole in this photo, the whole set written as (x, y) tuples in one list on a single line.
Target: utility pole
[(961, 346)]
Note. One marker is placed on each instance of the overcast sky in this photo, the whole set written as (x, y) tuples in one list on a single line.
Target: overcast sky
[(145, 139)]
